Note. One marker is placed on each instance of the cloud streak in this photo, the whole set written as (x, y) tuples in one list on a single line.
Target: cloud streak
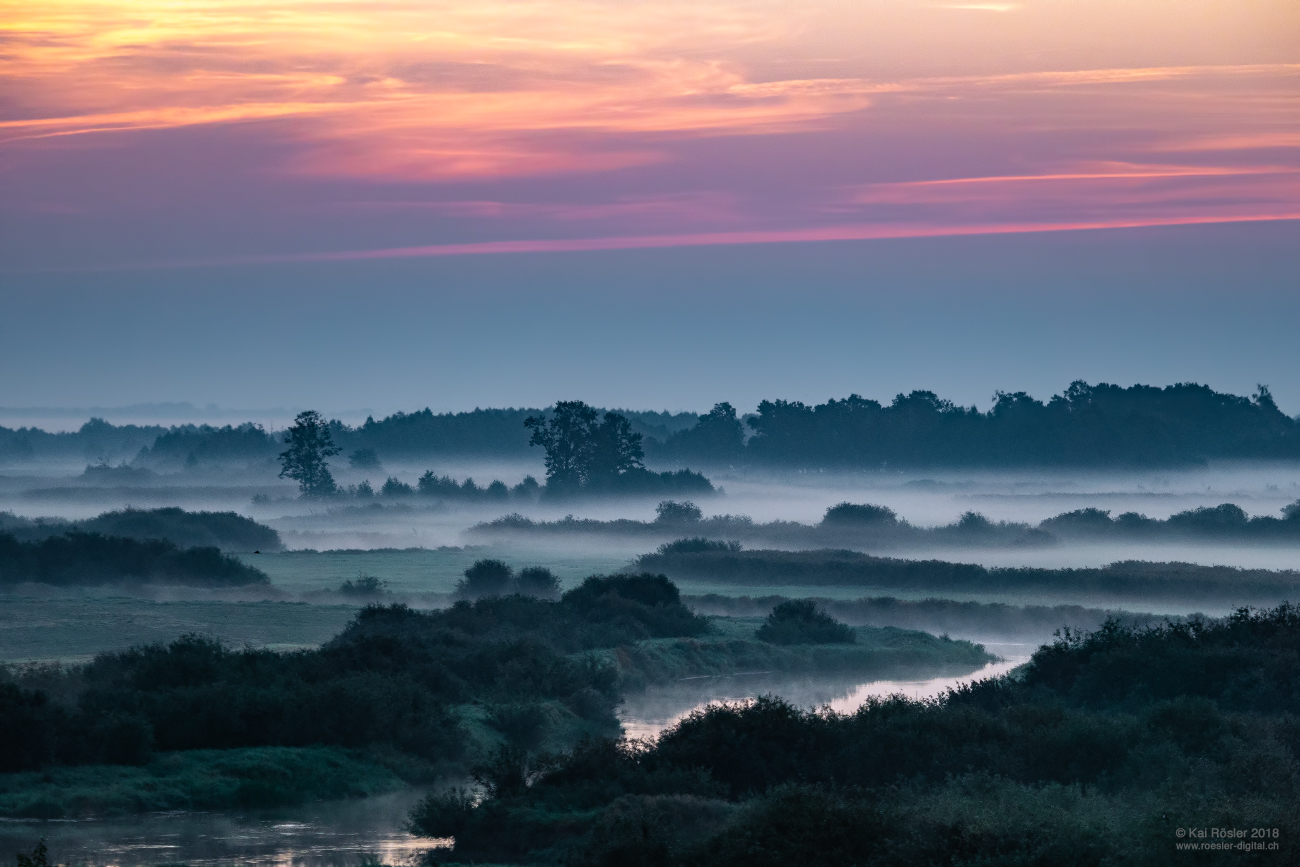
[(672, 120)]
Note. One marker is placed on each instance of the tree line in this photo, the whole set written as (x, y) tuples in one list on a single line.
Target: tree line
[(584, 453), (1085, 425)]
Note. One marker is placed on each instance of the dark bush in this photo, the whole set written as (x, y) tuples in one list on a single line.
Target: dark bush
[(670, 512), (485, 578), (1150, 727), (537, 581), (698, 545), (801, 622), (854, 514), (88, 558)]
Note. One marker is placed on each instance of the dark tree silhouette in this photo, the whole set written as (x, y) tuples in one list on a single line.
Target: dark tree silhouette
[(616, 449), (718, 436), (582, 453), (309, 444), (567, 437)]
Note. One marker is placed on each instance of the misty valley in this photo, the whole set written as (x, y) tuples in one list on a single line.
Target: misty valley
[(849, 633)]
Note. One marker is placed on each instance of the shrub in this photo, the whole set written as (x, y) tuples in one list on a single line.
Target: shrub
[(364, 586), (537, 581), (698, 545), (854, 514), (670, 512), (442, 815), (485, 578), (800, 622)]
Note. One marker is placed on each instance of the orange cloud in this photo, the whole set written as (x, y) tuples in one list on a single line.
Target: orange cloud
[(1059, 112)]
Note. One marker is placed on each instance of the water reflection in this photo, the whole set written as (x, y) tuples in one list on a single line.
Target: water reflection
[(646, 714), (334, 834)]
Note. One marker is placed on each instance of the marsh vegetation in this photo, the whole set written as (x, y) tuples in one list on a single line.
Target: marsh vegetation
[(1099, 749)]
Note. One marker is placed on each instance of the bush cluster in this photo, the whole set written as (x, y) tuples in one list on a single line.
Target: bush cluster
[(390, 680), (799, 621), (488, 578), (1108, 742)]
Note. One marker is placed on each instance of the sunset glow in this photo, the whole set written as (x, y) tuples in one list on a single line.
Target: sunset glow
[(565, 123)]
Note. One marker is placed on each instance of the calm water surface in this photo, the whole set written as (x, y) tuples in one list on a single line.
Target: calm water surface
[(647, 714), (334, 834)]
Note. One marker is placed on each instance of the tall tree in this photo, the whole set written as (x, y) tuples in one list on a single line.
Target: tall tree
[(616, 449), (568, 437), (717, 437), (310, 444)]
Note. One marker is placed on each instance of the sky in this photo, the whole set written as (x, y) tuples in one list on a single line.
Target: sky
[(389, 205)]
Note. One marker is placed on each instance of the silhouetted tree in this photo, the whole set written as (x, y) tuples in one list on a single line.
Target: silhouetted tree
[(309, 444), (717, 436), (615, 450), (670, 512), (395, 487), (568, 437)]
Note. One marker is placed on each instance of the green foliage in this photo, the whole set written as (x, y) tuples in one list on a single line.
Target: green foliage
[(310, 444), (1109, 742), (77, 559), (800, 622)]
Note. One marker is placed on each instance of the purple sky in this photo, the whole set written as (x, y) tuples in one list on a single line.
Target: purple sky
[(753, 199)]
